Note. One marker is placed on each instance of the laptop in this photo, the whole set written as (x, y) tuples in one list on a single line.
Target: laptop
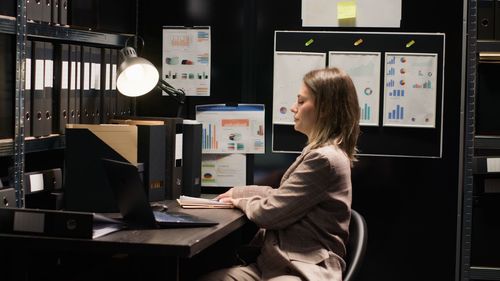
[(128, 190)]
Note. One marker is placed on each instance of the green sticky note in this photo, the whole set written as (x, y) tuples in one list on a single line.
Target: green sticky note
[(346, 10)]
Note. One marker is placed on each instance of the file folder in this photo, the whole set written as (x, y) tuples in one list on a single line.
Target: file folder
[(27, 90), (37, 102), (86, 188), (48, 88)]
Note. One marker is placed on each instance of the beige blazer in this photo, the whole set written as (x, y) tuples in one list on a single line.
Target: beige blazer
[(306, 219)]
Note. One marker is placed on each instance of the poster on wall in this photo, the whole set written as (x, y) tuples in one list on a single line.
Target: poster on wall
[(364, 70), (186, 59), (232, 129), (289, 69), (223, 169), (410, 90)]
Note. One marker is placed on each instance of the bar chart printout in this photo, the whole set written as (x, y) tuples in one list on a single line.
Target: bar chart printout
[(410, 90), (232, 129), (364, 70)]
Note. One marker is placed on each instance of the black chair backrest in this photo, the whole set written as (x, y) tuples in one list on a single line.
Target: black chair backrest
[(356, 246)]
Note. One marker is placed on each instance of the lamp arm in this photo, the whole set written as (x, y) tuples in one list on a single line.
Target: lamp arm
[(177, 94)]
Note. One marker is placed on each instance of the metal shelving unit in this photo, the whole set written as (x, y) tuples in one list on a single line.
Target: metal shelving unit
[(18, 26)]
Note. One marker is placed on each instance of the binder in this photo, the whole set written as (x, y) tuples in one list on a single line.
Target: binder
[(46, 11), (63, 12), (37, 103), (8, 196), (63, 91), (114, 93), (8, 8), (497, 20), (191, 151), (486, 19), (27, 90), (86, 96), (173, 151), (46, 222), (79, 83), (74, 85), (95, 85), (151, 152), (7, 86), (43, 189), (55, 12), (48, 88), (106, 84), (34, 10)]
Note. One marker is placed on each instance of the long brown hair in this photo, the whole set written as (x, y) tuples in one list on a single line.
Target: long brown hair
[(337, 109)]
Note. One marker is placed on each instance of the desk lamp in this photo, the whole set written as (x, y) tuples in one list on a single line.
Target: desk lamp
[(138, 76)]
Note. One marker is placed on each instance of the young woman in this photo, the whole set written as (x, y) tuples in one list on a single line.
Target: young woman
[(304, 223)]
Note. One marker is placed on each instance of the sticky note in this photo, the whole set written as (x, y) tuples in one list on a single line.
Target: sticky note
[(346, 10)]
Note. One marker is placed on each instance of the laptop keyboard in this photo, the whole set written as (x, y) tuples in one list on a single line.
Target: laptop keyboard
[(170, 217)]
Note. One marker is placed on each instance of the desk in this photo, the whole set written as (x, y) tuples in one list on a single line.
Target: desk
[(171, 244)]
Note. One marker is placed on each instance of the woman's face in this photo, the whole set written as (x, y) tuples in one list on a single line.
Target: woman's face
[(304, 111)]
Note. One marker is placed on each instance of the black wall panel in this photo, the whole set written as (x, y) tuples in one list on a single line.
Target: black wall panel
[(410, 204)]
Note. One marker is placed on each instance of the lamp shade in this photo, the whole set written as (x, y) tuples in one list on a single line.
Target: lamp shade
[(136, 76)]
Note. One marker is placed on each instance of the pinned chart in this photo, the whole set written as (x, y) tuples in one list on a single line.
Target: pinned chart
[(364, 70), (410, 93)]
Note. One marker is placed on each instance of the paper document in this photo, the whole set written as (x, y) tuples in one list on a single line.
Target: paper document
[(201, 203)]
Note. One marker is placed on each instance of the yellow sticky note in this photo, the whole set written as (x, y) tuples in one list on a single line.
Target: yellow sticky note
[(346, 10)]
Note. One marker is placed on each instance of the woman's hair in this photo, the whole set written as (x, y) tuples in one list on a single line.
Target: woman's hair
[(337, 109)]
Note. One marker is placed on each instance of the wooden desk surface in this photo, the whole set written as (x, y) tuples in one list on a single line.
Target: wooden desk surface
[(175, 242)]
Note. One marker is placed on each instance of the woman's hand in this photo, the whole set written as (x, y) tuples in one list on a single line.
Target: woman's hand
[(225, 197)]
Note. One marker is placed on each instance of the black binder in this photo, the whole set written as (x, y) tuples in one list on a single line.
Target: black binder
[(106, 85), (191, 158), (7, 86), (37, 102), (86, 96), (34, 10), (173, 152), (27, 90), (63, 12), (55, 12), (8, 8), (46, 222), (151, 152), (74, 84), (63, 90), (114, 92), (95, 85), (46, 11), (8, 196), (485, 19), (48, 88)]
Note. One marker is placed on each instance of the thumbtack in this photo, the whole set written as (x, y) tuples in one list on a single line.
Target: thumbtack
[(409, 44)]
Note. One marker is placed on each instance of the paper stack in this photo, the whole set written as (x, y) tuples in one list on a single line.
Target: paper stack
[(189, 202)]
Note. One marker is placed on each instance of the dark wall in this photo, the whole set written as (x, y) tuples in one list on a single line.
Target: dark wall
[(410, 204)]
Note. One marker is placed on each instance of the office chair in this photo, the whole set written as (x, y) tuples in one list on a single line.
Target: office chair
[(356, 246)]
